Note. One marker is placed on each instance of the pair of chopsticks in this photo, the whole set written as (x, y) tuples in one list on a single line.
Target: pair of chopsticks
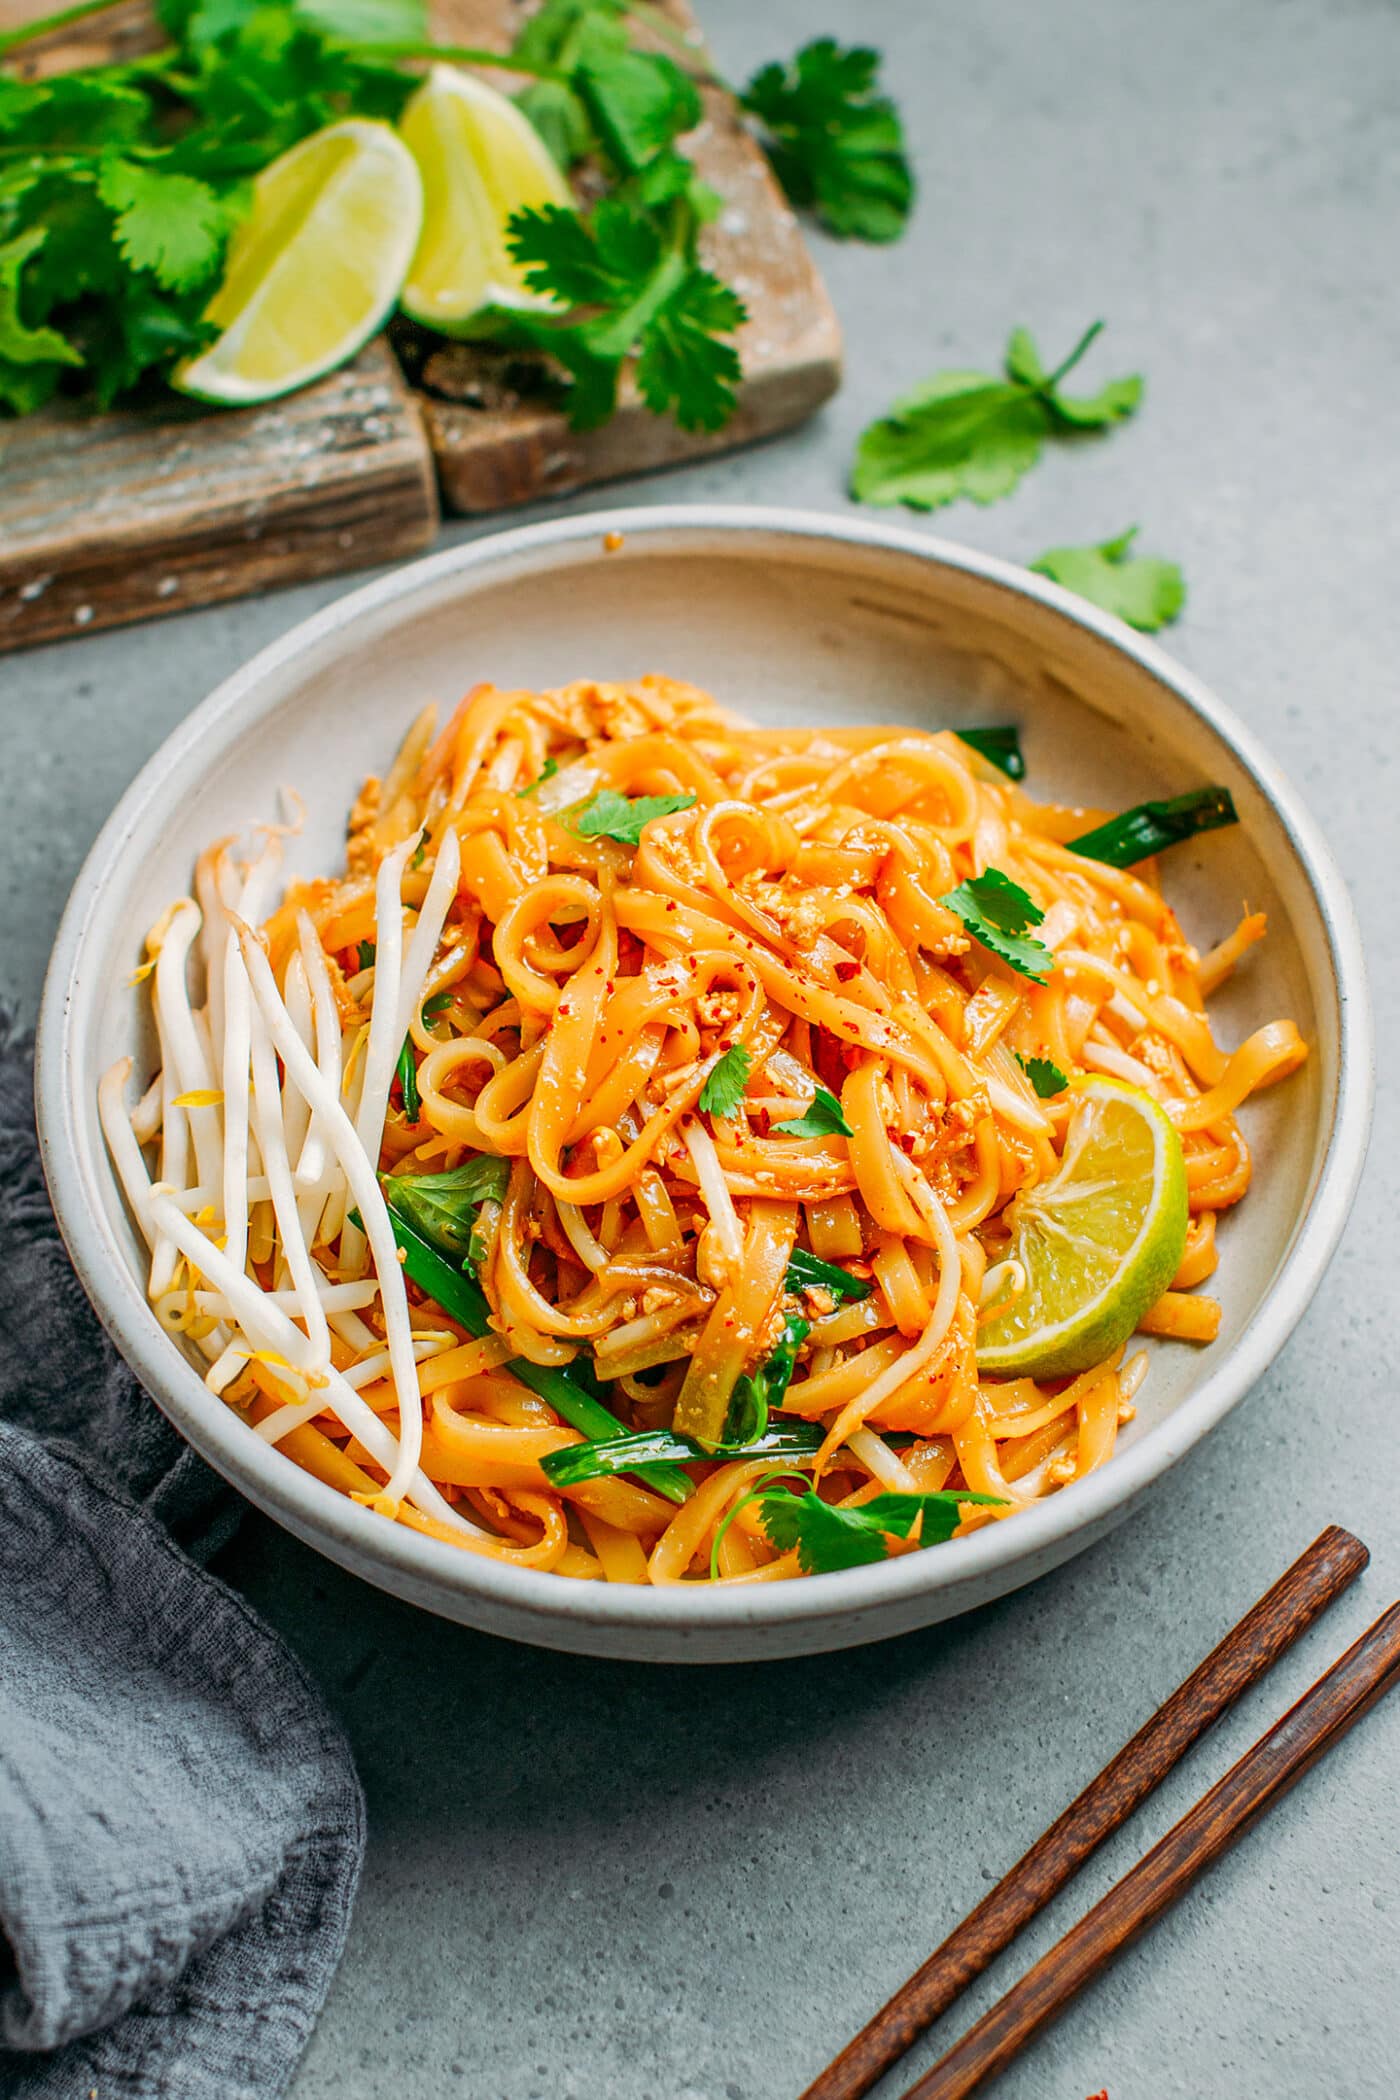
[(1262, 1776)]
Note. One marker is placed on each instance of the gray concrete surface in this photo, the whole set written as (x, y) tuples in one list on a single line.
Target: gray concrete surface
[(622, 1884)]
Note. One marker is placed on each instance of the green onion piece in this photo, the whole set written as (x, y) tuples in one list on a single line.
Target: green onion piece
[(785, 1438), (408, 1079), (1001, 747), (463, 1300), (1152, 826), (807, 1272), (757, 1391)]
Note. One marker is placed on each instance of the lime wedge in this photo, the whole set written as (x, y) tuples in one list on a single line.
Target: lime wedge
[(480, 160), (1099, 1243), (316, 267)]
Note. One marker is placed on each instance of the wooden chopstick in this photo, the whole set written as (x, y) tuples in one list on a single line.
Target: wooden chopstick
[(1369, 1669), (1315, 1580)]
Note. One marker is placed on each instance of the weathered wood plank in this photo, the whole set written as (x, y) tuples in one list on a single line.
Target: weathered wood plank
[(109, 519)]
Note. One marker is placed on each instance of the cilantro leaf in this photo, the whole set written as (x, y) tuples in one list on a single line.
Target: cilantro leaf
[(724, 1089), (1044, 1075), (1142, 589), (997, 912), (683, 366), (19, 343), (821, 1118), (973, 434), (73, 112), (807, 1272), (366, 951), (548, 38), (633, 275), (638, 100), (560, 117), (836, 144), (445, 1208), (622, 817), (172, 225), (828, 1538)]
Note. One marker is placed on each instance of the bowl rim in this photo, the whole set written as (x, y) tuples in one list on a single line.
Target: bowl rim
[(434, 1571)]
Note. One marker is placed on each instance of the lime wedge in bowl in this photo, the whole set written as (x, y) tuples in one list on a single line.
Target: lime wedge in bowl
[(481, 160), (315, 268), (1098, 1244)]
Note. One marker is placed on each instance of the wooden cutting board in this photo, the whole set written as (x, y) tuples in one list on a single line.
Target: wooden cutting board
[(106, 519)]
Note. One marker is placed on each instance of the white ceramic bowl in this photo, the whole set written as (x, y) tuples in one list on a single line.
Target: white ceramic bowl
[(787, 617)]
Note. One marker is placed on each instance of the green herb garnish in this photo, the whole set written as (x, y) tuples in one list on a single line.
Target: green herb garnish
[(407, 1069), (836, 144), (547, 772), (1153, 826), (366, 952), (828, 1538), (973, 434), (808, 1272), (622, 817), (724, 1088), (784, 1437), (1000, 747), (121, 185), (822, 1118), (1044, 1075), (445, 1208), (1142, 589), (756, 1392), (436, 1006), (566, 1387), (997, 912)]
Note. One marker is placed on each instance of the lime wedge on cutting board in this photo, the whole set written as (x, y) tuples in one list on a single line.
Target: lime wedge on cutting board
[(480, 160), (316, 267), (1099, 1243)]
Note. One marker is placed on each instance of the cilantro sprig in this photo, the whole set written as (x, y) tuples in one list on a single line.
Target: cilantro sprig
[(1044, 1075), (632, 284), (997, 912), (822, 1117), (835, 142), (609, 815), (1142, 589), (829, 1538), (975, 434), (724, 1088)]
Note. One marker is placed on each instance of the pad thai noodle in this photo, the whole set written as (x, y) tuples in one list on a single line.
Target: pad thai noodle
[(676, 1151)]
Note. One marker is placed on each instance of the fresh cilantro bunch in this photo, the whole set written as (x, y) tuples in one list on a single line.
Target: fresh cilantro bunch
[(836, 144), (121, 185), (627, 278), (974, 434)]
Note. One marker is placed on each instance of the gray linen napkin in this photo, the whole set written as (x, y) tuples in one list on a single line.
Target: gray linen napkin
[(181, 1828)]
